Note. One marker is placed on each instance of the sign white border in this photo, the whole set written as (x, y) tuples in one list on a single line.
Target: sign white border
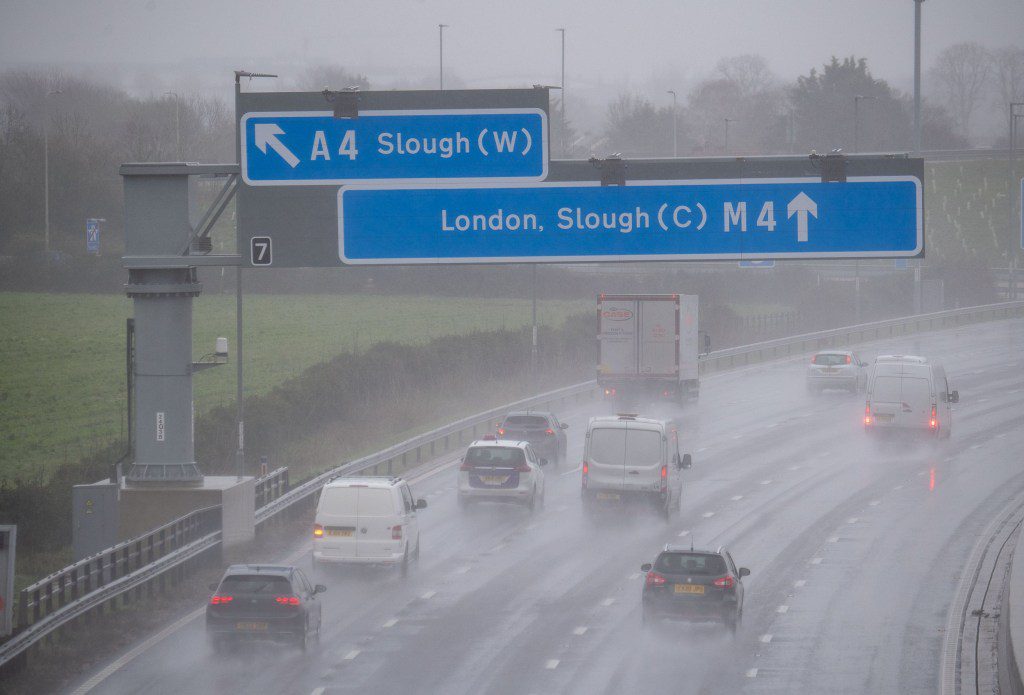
[(919, 246), (545, 154)]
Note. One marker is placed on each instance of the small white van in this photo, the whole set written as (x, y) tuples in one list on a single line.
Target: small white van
[(367, 520), (908, 393), (627, 457)]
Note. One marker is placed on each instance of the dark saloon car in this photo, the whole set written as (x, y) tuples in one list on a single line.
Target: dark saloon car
[(541, 429), (696, 585), (263, 602)]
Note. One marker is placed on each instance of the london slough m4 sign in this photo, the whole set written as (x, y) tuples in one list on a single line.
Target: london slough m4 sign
[(720, 219)]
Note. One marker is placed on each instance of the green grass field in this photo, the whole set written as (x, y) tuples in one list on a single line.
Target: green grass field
[(62, 364)]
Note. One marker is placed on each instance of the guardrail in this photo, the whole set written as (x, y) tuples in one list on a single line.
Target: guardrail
[(65, 595)]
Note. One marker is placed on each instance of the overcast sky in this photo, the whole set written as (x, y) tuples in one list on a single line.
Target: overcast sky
[(488, 43)]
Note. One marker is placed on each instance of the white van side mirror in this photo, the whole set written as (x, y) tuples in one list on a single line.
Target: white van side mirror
[(687, 461), (421, 504)]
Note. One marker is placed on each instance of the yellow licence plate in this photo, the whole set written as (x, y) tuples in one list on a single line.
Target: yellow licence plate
[(250, 626), (494, 479), (345, 533), (689, 589), (607, 495)]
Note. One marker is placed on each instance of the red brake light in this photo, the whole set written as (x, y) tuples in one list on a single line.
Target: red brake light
[(934, 422), (664, 479), (867, 414), (586, 468), (814, 359), (664, 472), (847, 359), (522, 467), (220, 600), (396, 532), (549, 431), (501, 431), (725, 582), (287, 600), (318, 531), (654, 579)]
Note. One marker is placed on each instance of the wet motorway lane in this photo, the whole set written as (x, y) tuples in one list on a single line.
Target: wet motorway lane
[(855, 547)]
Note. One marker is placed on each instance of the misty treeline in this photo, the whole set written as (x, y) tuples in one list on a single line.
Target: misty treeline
[(743, 108)]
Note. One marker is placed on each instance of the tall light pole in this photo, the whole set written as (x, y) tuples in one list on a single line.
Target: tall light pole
[(440, 54), (675, 139), (561, 108), (177, 123), (1016, 111), (917, 77), (46, 169), (856, 120), (727, 122)]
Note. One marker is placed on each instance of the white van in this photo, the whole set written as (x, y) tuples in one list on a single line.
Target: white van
[(366, 520), (629, 457), (908, 393)]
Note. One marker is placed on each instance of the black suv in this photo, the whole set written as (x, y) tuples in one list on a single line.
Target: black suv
[(264, 602), (541, 429), (698, 585)]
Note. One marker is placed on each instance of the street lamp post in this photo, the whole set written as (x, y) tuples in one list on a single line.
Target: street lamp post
[(856, 120), (727, 122), (177, 123), (1016, 111), (561, 109), (46, 169), (440, 54), (675, 137), (917, 77)]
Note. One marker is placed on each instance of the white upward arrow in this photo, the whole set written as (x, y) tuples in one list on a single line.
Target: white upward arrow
[(800, 206), (266, 134)]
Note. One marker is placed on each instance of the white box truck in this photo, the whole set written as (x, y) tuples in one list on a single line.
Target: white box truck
[(647, 347)]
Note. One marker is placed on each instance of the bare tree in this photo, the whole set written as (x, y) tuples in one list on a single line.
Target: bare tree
[(961, 74), (1008, 73), (750, 73)]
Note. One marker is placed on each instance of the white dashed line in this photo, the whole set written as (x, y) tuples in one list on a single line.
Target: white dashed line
[(551, 664), (736, 436), (976, 446), (429, 595), (874, 503), (752, 673), (581, 630), (816, 561), (463, 569), (318, 691), (833, 539), (684, 533), (703, 448), (390, 623), (574, 470), (499, 547), (898, 487), (794, 468), (766, 482), (799, 583), (351, 655), (635, 575), (736, 498), (708, 515), (608, 602), (852, 520), (782, 609), (766, 638)]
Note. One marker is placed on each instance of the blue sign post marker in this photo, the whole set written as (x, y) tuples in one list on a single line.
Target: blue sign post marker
[(310, 148), (648, 220), (92, 236)]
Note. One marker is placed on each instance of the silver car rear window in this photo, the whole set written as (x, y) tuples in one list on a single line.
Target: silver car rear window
[(617, 446)]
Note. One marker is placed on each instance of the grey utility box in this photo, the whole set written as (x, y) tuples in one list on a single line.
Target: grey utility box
[(8, 541), (95, 518)]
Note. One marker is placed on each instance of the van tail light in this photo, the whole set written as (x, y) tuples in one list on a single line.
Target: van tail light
[(220, 600), (867, 414), (726, 582), (664, 478), (609, 392), (318, 531), (933, 423), (396, 532), (814, 359), (586, 473), (654, 579), (287, 600), (847, 359), (549, 431), (501, 431)]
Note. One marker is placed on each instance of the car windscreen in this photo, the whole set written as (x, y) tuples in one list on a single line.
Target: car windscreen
[(690, 563), (916, 390), (501, 456), (526, 421), (237, 584), (617, 446), (830, 360), (886, 390), (376, 501)]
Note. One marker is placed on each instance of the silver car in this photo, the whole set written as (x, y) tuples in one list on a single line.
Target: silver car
[(836, 369)]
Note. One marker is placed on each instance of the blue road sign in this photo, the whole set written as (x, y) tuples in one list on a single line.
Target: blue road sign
[(311, 148), (644, 220), (757, 264), (92, 236)]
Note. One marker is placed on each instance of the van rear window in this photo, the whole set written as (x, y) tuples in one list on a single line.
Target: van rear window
[(375, 501), (617, 446), (886, 390)]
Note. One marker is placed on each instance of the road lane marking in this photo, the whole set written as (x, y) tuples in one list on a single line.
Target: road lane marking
[(708, 515), (752, 673), (581, 630), (852, 520), (833, 539), (736, 498), (898, 487), (766, 482), (766, 638), (390, 623), (684, 533), (874, 503), (635, 575), (429, 595), (799, 583), (816, 561), (551, 664), (608, 602), (574, 470), (463, 569), (703, 448), (351, 655), (318, 691), (794, 468), (782, 609)]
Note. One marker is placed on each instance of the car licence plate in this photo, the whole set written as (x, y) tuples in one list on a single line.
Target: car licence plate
[(883, 417), (689, 589), (251, 626), (607, 495), (343, 532), (494, 479)]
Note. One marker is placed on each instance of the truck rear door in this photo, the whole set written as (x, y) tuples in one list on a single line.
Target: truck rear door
[(659, 336), (617, 337)]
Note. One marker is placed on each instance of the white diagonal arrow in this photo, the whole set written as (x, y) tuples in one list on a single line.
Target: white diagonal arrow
[(266, 134), (800, 206)]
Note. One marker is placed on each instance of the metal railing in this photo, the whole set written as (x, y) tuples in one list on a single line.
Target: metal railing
[(132, 565)]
